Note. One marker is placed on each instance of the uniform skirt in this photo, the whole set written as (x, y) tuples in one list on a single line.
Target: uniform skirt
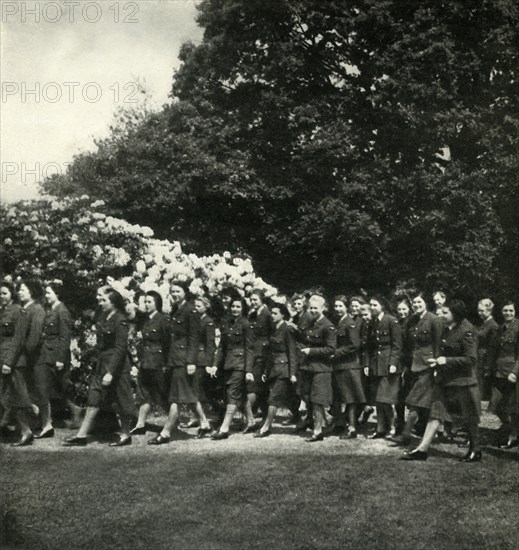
[(118, 393), (353, 387), (235, 387), (279, 392), (449, 402), (316, 387), (151, 388), (50, 383), (14, 393), (258, 386), (184, 388), (384, 389), (504, 400), (421, 392)]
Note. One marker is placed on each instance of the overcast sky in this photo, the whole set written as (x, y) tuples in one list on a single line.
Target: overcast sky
[(66, 66)]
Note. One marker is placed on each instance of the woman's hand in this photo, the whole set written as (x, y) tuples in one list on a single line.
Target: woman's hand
[(512, 378), (432, 363), (107, 379), (366, 371), (6, 369), (305, 351), (392, 369), (211, 371), (59, 365), (191, 369), (249, 377), (293, 379)]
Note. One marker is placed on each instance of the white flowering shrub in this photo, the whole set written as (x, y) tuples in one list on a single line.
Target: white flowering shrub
[(74, 241)]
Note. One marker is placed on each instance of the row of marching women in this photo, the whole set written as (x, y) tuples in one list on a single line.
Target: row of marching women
[(423, 372)]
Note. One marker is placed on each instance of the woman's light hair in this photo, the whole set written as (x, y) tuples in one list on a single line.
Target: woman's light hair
[(487, 304)]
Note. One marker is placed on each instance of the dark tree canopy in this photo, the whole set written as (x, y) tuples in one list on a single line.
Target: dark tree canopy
[(367, 143)]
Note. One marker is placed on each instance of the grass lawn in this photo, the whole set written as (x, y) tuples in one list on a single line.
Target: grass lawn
[(248, 493)]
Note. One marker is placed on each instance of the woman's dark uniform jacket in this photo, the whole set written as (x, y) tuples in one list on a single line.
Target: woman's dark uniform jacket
[(153, 353), (23, 353), (235, 356), (13, 384), (316, 368), (56, 335), (424, 335), (505, 361), (455, 383), (182, 352), (263, 327), (383, 349), (206, 349), (486, 336), (282, 363), (346, 362), (112, 358)]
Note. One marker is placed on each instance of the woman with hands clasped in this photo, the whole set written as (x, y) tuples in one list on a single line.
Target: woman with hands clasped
[(111, 382)]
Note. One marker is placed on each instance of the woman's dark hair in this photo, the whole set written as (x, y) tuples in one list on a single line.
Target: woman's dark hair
[(341, 298), (458, 310), (34, 288), (244, 305), (505, 303), (56, 286), (259, 293), (356, 298), (183, 285), (157, 298), (10, 288), (419, 294), (116, 299), (282, 309), (382, 301), (403, 301), (231, 292)]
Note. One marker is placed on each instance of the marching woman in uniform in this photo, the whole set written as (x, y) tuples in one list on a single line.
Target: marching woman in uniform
[(111, 382), (347, 372), (22, 357), (382, 364), (282, 365), (206, 348), (486, 337), (455, 382), (52, 368), (319, 341), (235, 356), (424, 334), (263, 327), (184, 388), (505, 363), (403, 311), (10, 317), (153, 353)]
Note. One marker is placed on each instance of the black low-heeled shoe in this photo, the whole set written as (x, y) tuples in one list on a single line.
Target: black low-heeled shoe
[(352, 434), (25, 441), (414, 455), (377, 435), (262, 434), (202, 432), (141, 430), (220, 435), (75, 441), (314, 438), (159, 440), (473, 456), (45, 435), (121, 442)]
